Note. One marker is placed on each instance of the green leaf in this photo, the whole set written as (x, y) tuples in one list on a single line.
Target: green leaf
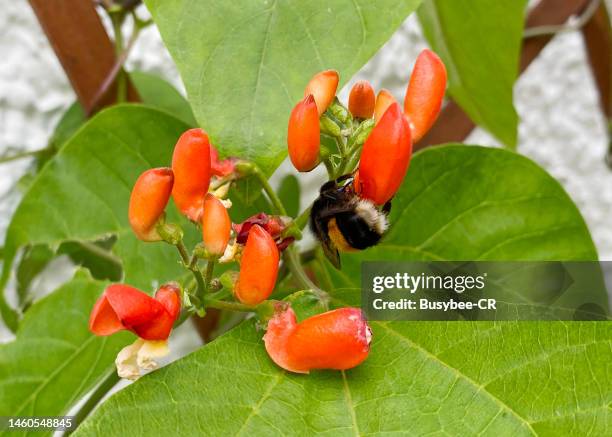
[(480, 42), (158, 93), (441, 378), (245, 64), (508, 379), (289, 194), (54, 359), (69, 123), (96, 257), (33, 261), (83, 193)]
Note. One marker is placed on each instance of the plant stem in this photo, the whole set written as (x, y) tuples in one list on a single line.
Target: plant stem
[(22, 155), (195, 270), (302, 219), (330, 168), (351, 163), (107, 383), (341, 145), (293, 262), (210, 267), (231, 306), (183, 252), (261, 177)]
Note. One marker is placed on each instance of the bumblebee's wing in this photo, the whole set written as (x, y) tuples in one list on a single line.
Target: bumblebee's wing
[(331, 252), (329, 249)]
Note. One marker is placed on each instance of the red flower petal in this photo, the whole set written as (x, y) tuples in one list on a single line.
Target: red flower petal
[(132, 306), (156, 329), (103, 319), (168, 296)]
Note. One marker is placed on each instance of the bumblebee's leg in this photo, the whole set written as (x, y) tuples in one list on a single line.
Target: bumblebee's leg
[(387, 207)]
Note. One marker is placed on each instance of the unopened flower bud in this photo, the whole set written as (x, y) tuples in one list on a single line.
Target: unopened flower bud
[(323, 87)]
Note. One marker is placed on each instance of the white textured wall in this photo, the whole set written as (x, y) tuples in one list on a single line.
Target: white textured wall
[(561, 125)]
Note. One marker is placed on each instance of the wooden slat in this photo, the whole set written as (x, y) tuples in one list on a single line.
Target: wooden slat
[(453, 125), (82, 45), (598, 40)]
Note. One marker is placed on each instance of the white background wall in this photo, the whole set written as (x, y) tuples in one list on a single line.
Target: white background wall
[(561, 125)]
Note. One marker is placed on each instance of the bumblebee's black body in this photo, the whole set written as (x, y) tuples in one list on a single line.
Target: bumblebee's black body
[(342, 221)]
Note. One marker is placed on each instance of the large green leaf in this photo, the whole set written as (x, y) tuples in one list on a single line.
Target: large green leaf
[(83, 193), (55, 360), (245, 64), (441, 378), (507, 379), (158, 93), (479, 41)]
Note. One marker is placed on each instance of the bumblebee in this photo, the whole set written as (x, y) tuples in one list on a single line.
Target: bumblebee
[(342, 221)]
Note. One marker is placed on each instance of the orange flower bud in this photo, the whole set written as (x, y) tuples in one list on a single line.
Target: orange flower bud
[(123, 307), (191, 166), (383, 101), (338, 339), (216, 225), (258, 267), (385, 157), (303, 135), (148, 200), (425, 92), (323, 87), (362, 100)]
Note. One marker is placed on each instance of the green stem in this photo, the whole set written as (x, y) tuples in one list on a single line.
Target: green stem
[(22, 155), (295, 266), (104, 387), (210, 267), (231, 306), (330, 168), (184, 315), (261, 177), (341, 145), (350, 164), (219, 295), (302, 219), (194, 269), (183, 252)]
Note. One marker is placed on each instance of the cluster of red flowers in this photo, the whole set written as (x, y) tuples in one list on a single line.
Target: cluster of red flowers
[(389, 145), (337, 339)]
